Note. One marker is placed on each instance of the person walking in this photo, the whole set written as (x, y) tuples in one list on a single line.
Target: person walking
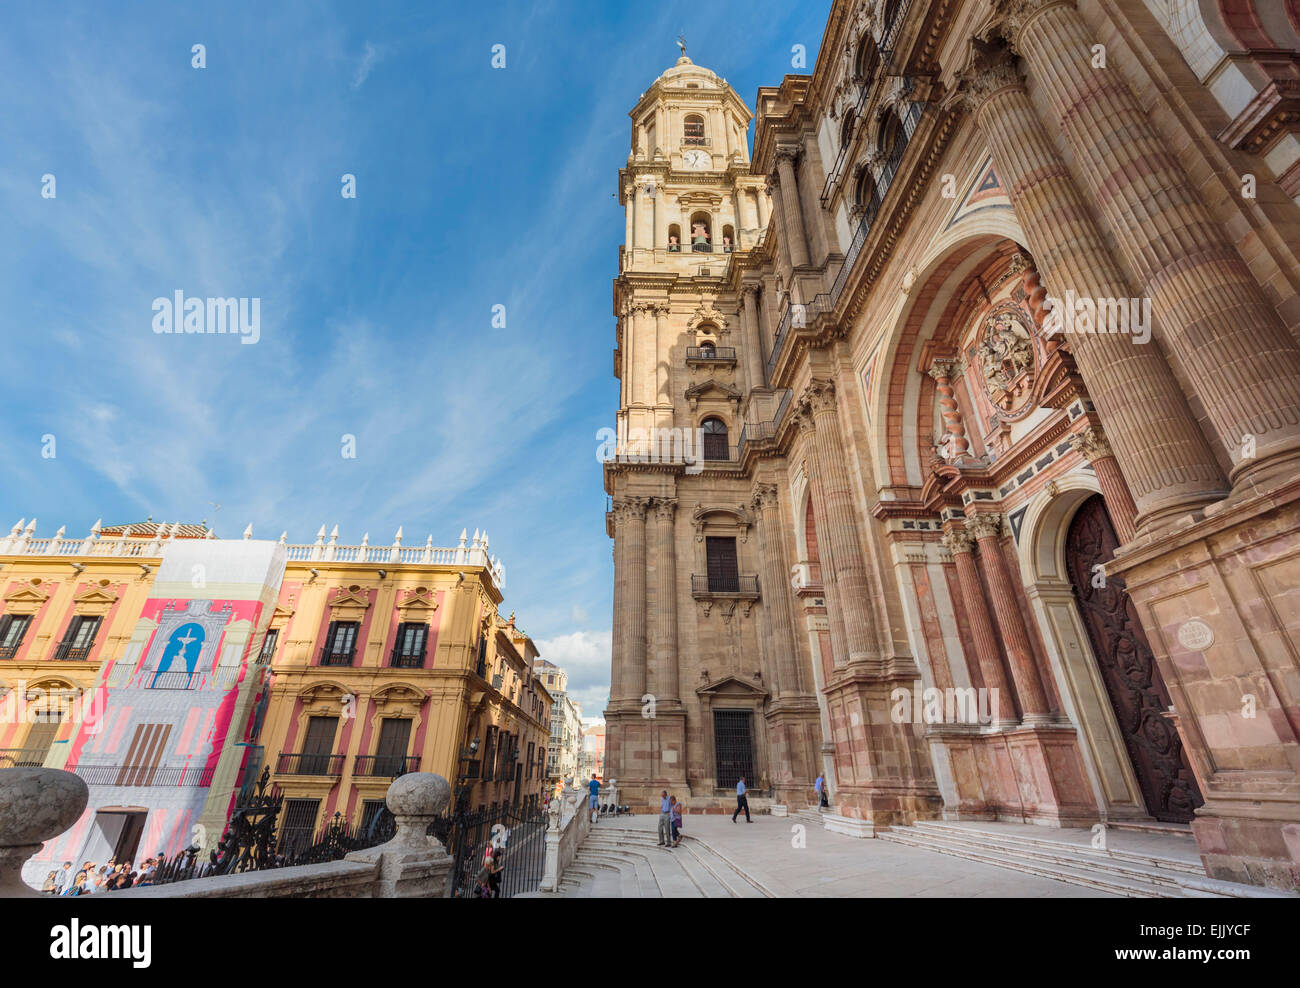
[(677, 822), (492, 860), (741, 802), (817, 790), (665, 821), (593, 787)]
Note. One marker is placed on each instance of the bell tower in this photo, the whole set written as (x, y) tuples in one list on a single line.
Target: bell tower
[(687, 357)]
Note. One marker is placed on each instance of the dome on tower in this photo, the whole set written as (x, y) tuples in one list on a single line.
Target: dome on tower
[(687, 73)]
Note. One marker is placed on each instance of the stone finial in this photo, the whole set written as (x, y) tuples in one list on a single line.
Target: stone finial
[(36, 805), (248, 532), (464, 534), (17, 529), (284, 537), (414, 800)]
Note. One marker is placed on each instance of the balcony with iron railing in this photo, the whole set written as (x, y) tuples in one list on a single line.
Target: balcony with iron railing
[(741, 587), (407, 660), (146, 775), (711, 355), (310, 763), (331, 657), (9, 651), (175, 680), (72, 652), (23, 757), (385, 766)]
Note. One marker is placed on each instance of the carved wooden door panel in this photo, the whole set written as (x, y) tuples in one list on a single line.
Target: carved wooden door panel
[(1137, 691)]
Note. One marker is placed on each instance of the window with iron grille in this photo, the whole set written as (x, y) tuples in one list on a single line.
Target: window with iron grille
[(79, 638), (693, 129), (715, 439), (531, 745), (733, 742), (268, 644), (340, 643), (13, 627), (298, 824), (408, 650), (723, 569), (490, 754)]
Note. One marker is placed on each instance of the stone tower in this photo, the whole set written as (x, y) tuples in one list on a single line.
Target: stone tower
[(692, 680)]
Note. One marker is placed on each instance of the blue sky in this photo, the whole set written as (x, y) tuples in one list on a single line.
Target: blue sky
[(475, 187)]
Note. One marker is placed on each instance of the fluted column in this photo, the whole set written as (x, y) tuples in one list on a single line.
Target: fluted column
[(633, 601), (847, 563), (629, 198), (618, 641), (942, 370), (834, 605), (753, 348), (663, 633), (987, 655), (1092, 444), (1160, 449), (1241, 359), (776, 589), (1024, 671), (661, 355), (796, 239)]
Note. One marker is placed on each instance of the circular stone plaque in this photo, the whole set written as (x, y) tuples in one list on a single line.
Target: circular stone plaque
[(1196, 635)]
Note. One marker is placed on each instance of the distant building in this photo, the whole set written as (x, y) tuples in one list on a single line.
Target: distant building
[(593, 750), (564, 755)]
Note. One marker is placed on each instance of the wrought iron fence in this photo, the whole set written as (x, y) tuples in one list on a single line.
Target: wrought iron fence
[(517, 839)]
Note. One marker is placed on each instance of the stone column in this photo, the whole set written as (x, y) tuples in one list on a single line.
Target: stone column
[(662, 343), (987, 654), (844, 565), (761, 204), (776, 589), (941, 370), (663, 632), (632, 535), (1241, 359), (629, 197), (753, 347), (1091, 443), (618, 653), (796, 239), (1160, 449), (1024, 671)]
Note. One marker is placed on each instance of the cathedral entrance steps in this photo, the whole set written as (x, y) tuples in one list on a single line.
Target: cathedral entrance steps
[(1136, 865), (627, 862)]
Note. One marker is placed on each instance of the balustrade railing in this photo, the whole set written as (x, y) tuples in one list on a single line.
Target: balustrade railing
[(705, 585), (310, 763), (385, 766), (145, 775)]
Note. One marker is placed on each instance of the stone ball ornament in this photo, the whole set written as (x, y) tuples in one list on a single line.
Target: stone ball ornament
[(418, 794), (36, 805)]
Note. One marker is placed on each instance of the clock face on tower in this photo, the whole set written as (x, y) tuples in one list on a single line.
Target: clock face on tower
[(697, 159)]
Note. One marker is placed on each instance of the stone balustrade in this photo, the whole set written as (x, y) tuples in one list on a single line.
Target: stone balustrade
[(570, 822), (38, 804)]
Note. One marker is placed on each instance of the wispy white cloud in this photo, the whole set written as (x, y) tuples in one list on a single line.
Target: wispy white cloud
[(371, 55)]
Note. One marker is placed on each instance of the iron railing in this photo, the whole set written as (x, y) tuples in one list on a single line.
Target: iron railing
[(711, 353), (758, 431), (329, 657), (9, 651), (385, 766), (704, 585), (176, 680), (22, 757), (407, 660), (69, 652), (146, 775), (310, 763)]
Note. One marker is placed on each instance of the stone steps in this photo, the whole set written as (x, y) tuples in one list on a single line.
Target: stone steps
[(1121, 872), (628, 863)]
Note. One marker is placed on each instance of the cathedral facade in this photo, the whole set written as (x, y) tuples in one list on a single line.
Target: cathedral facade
[(1000, 328)]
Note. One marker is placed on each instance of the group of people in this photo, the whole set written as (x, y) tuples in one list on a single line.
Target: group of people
[(670, 821), (91, 878)]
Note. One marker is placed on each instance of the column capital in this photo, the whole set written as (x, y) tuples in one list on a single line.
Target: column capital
[(764, 496), (818, 396), (1016, 15), (1091, 443), (957, 540), (986, 524), (664, 508), (750, 290), (631, 508), (943, 368), (788, 152), (991, 67)]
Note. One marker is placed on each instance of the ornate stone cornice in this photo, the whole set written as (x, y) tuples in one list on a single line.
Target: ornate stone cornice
[(1091, 443), (986, 524)]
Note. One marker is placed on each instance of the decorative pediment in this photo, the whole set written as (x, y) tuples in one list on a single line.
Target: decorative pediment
[(398, 694), (739, 512), (26, 594), (732, 687), (418, 601), (96, 595), (324, 693), (714, 388), (707, 313), (352, 597), (283, 612)]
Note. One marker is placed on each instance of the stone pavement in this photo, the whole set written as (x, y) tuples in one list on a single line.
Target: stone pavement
[(726, 860)]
